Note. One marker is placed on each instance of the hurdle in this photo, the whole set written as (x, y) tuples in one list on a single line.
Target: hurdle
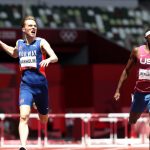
[(84, 119), (86, 140), (114, 141), (37, 143)]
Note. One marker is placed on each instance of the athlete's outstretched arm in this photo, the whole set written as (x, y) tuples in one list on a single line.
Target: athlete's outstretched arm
[(125, 73), (12, 51), (52, 56)]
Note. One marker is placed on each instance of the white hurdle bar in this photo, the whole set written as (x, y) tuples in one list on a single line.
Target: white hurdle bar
[(86, 140), (114, 141), (84, 119)]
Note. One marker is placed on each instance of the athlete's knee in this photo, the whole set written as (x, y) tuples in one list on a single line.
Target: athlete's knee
[(133, 117), (132, 121), (44, 121), (24, 118), (24, 113), (43, 118)]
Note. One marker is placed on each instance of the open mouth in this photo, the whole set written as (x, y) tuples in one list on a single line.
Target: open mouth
[(33, 32)]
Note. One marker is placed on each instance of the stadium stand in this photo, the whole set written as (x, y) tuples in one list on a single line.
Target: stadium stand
[(122, 25), (10, 15)]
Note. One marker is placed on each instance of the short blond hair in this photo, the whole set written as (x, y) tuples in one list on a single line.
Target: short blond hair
[(27, 18)]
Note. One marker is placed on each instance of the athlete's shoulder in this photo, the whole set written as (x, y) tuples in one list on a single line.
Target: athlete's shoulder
[(141, 46), (138, 48), (42, 41), (39, 39), (135, 49), (20, 40)]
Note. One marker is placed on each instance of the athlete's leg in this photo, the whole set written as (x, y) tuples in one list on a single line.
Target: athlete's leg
[(25, 103), (133, 117), (23, 124), (41, 102), (138, 106), (43, 118)]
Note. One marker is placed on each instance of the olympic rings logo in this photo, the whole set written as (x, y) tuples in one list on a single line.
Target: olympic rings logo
[(68, 35)]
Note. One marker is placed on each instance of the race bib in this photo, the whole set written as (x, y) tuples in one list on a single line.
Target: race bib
[(29, 61), (144, 74)]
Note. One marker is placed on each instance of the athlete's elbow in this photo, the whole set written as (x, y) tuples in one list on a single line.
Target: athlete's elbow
[(14, 55), (55, 59)]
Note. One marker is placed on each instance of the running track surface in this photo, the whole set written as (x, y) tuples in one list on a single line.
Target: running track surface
[(101, 148)]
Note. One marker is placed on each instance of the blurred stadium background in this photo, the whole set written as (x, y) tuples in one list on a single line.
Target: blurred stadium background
[(93, 40)]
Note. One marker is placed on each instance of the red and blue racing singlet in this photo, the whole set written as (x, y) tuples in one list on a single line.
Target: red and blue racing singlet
[(143, 66), (30, 55)]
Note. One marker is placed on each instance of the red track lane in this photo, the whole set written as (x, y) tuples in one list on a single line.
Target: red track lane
[(100, 148)]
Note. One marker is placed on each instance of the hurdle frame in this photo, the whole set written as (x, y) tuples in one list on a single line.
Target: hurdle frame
[(86, 140)]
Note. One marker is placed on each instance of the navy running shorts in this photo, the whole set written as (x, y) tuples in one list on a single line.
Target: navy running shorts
[(140, 102), (34, 93)]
